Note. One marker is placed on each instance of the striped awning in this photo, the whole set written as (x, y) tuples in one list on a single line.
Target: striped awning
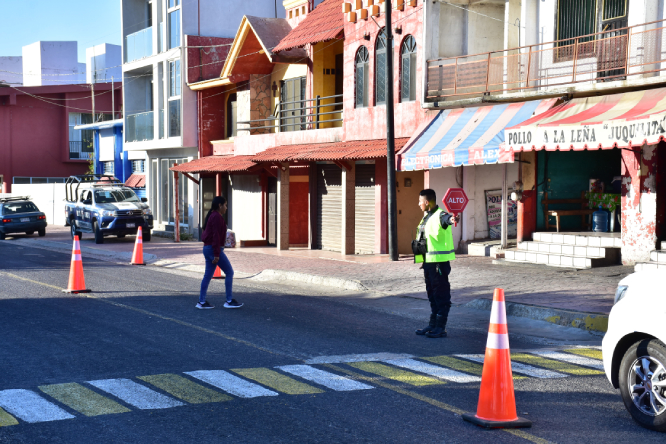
[(467, 136), (592, 123)]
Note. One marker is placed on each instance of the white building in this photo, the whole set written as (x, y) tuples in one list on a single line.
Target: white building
[(160, 110), (103, 63), (52, 63)]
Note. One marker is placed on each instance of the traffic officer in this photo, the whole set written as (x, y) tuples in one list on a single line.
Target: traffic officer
[(433, 247)]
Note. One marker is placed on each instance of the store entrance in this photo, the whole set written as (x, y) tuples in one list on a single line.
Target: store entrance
[(661, 192)]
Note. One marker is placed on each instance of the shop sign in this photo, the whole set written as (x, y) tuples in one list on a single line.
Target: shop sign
[(494, 214), (604, 135)]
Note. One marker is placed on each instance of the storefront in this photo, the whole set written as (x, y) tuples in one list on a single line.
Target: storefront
[(614, 140)]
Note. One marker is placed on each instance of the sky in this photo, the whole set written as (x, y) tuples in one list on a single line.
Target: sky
[(89, 22)]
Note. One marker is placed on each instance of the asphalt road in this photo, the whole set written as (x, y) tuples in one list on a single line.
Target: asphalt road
[(135, 362)]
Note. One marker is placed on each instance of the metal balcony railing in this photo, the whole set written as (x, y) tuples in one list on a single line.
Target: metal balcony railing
[(298, 116), (139, 127), (81, 150), (617, 54), (139, 45)]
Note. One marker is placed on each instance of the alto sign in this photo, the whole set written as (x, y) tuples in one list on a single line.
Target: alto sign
[(455, 200)]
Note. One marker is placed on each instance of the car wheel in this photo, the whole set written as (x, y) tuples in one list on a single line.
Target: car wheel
[(41, 232), (99, 237), (2, 236), (146, 236), (121, 236), (29, 233), (73, 230), (643, 383)]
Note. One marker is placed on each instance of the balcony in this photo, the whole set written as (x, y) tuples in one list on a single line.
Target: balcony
[(301, 115), (635, 52), (81, 150), (139, 45), (139, 127)]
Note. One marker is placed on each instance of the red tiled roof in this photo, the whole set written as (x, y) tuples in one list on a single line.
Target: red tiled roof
[(215, 164), (352, 150), (325, 22), (136, 180)]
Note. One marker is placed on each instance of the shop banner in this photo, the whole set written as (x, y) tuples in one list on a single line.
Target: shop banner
[(605, 135)]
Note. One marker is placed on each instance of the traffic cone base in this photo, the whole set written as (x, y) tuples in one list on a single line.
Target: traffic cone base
[(497, 402), (137, 255), (218, 273), (76, 291)]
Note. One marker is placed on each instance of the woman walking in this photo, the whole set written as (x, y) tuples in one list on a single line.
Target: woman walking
[(214, 238)]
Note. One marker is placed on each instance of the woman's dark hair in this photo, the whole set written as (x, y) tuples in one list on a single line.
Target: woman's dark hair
[(218, 201)]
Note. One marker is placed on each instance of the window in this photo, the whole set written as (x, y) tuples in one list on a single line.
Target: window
[(232, 115), (574, 19), (380, 68), (292, 94), (166, 197), (138, 166), (174, 98), (108, 167), (361, 78), (174, 24), (408, 69)]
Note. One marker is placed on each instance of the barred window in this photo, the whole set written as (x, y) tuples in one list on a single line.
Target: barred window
[(108, 167), (408, 69), (380, 67), (138, 166), (362, 68)]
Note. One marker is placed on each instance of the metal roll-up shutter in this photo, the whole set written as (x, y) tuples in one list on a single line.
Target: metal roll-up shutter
[(364, 211), (329, 208)]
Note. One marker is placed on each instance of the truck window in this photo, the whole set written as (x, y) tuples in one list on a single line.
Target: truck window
[(111, 196)]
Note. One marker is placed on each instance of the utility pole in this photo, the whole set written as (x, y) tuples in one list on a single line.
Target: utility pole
[(390, 141), (113, 101)]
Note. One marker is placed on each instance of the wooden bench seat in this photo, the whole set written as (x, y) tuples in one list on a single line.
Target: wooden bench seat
[(583, 212)]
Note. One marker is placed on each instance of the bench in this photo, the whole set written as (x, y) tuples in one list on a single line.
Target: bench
[(583, 212)]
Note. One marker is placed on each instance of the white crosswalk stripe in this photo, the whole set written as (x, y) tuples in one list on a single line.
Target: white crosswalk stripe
[(366, 357), (135, 394), (30, 407), (524, 369), (433, 370), (231, 384), (571, 358), (330, 380)]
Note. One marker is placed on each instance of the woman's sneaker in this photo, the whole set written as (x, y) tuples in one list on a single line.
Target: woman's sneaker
[(233, 304), (204, 306)]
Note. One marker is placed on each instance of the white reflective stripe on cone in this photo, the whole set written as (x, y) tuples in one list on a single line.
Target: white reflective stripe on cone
[(498, 313), (139, 241), (76, 257), (498, 341), (77, 246)]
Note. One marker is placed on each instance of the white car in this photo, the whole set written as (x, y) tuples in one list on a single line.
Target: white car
[(634, 349)]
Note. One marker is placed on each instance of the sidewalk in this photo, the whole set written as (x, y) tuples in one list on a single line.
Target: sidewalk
[(587, 291)]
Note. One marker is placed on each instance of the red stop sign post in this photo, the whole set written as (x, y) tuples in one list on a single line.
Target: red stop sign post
[(455, 200)]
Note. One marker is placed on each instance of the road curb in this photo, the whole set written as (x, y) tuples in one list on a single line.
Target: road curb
[(577, 319), (313, 279), (120, 256)]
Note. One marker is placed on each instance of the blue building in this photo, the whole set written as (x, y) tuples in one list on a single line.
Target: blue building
[(111, 158)]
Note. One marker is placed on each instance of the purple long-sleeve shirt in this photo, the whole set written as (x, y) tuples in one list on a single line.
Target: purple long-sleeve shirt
[(215, 233)]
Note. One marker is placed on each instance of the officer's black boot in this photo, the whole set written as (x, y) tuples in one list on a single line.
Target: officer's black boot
[(430, 326), (440, 328)]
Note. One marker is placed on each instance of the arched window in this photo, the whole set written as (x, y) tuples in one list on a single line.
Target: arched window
[(408, 69), (362, 62), (380, 68)]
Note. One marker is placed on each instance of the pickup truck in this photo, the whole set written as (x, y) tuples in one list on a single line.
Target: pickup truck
[(104, 206)]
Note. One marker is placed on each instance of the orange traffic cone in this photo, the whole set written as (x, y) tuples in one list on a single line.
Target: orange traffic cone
[(497, 401), (137, 256), (218, 273), (77, 283)]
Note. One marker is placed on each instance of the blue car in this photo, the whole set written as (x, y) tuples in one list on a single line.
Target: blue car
[(20, 215)]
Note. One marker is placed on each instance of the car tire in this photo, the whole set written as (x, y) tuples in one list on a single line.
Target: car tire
[(2, 236), (41, 232), (99, 237), (29, 233), (147, 236), (121, 236), (644, 355), (73, 230)]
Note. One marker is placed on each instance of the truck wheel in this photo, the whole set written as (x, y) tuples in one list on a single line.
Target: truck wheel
[(29, 233), (2, 236), (146, 236), (73, 230), (99, 237), (42, 232)]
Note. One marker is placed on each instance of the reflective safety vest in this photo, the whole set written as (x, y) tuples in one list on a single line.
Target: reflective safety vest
[(440, 241)]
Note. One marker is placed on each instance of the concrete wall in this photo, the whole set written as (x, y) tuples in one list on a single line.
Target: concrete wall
[(49, 198), (103, 63), (246, 194), (203, 17), (15, 67), (52, 63)]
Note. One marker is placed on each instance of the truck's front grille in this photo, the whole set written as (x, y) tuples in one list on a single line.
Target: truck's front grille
[(129, 212)]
